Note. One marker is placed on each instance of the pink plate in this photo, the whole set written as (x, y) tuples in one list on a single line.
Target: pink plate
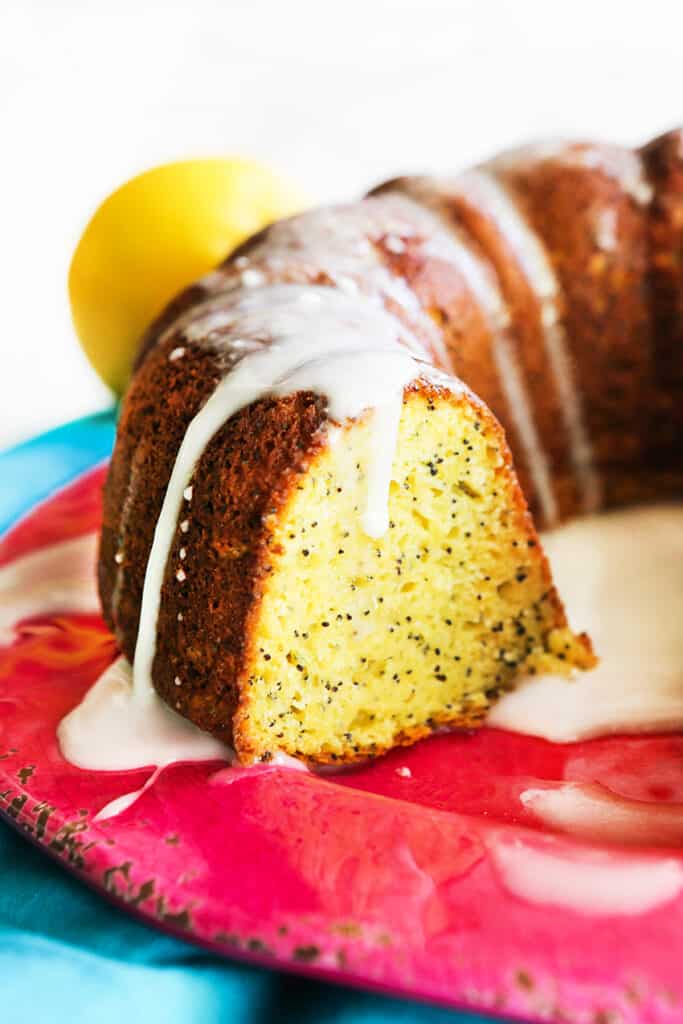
[(491, 870)]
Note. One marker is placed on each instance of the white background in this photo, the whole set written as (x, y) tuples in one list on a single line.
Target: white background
[(338, 95)]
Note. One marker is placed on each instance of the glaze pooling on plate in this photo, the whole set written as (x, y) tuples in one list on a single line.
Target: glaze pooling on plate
[(54, 578), (589, 811), (621, 576), (587, 882), (113, 729)]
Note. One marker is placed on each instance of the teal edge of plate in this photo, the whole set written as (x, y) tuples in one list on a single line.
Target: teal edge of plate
[(33, 470)]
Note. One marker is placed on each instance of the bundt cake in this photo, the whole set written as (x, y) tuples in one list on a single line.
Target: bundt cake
[(314, 541)]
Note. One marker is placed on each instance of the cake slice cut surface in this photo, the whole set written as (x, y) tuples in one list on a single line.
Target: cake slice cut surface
[(359, 643)]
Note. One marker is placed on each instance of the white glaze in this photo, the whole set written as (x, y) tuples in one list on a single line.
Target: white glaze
[(604, 223), (113, 730), (121, 803), (282, 339), (625, 166), (620, 575), (108, 730), (57, 578), (586, 881), (591, 812), (481, 188), (521, 414), (484, 287), (340, 245)]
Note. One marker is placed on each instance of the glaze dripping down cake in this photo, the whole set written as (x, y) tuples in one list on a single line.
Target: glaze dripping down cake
[(314, 540)]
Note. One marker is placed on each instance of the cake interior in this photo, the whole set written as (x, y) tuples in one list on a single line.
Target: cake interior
[(364, 643)]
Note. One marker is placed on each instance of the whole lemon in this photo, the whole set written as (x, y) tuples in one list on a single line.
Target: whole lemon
[(156, 234)]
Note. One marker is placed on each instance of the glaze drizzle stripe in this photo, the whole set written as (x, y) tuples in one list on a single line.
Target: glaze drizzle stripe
[(282, 339), (342, 245), (624, 166), (481, 188), (519, 406), (484, 288)]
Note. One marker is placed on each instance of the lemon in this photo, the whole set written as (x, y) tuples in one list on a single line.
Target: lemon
[(155, 235)]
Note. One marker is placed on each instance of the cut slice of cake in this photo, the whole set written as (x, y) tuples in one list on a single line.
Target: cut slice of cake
[(284, 624), (357, 644)]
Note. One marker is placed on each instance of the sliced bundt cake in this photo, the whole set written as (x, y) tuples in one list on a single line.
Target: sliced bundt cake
[(314, 541)]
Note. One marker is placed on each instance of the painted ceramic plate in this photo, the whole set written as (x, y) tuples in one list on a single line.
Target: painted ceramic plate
[(489, 871)]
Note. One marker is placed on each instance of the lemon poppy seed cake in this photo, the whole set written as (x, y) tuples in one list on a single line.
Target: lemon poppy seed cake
[(285, 626), (314, 540)]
